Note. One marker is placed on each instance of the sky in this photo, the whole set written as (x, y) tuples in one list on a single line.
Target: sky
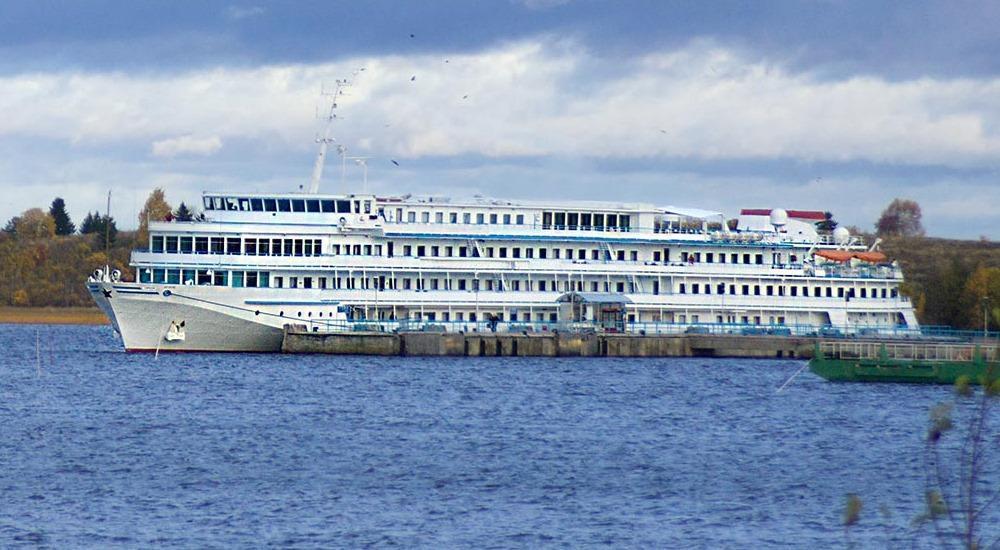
[(834, 105)]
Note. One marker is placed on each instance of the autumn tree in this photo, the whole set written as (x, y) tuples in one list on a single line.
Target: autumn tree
[(64, 226), (981, 298), (156, 209), (34, 224), (902, 218)]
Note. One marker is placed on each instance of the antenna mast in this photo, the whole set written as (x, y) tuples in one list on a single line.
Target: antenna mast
[(326, 140)]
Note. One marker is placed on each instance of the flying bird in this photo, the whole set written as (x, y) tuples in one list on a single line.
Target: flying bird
[(465, 96), (394, 162), (413, 78), (663, 131), (412, 35)]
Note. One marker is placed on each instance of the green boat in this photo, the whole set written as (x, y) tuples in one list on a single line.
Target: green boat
[(917, 363)]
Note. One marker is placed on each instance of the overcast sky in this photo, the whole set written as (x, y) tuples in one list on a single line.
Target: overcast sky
[(826, 105)]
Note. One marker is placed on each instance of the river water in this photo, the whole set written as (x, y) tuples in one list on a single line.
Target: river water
[(101, 448)]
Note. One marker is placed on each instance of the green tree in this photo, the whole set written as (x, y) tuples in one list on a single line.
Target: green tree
[(156, 209), (902, 218), (64, 226), (828, 224), (11, 227), (106, 231), (183, 214)]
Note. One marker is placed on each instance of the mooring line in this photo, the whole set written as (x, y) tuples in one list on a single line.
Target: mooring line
[(789, 381)]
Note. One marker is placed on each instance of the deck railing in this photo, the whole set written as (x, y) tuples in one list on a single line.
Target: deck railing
[(853, 334), (923, 351)]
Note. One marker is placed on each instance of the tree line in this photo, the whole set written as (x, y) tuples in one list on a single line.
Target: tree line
[(45, 257)]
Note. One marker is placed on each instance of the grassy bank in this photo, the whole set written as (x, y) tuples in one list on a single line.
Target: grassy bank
[(52, 315)]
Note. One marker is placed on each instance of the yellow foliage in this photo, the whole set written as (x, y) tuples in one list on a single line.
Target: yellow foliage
[(35, 224), (156, 209)]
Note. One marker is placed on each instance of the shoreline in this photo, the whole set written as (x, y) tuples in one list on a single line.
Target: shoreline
[(52, 316)]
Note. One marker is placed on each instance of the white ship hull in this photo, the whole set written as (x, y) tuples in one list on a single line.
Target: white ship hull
[(143, 318)]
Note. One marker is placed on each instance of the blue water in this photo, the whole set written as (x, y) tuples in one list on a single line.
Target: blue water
[(105, 449)]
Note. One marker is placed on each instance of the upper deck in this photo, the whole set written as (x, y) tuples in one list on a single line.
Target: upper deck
[(480, 217)]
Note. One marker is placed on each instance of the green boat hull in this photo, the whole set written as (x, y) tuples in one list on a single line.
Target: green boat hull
[(909, 372)]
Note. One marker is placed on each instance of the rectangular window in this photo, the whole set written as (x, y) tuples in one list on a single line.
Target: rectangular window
[(480, 218), (327, 206), (287, 248), (343, 207), (425, 217), (157, 245), (251, 247), (493, 219), (298, 205), (232, 245), (207, 201), (546, 220), (237, 279), (220, 278), (560, 220), (171, 245), (284, 205), (506, 219), (439, 217), (573, 220), (173, 276), (187, 245), (257, 205), (519, 219), (201, 245), (312, 205), (251, 279), (270, 205), (218, 245)]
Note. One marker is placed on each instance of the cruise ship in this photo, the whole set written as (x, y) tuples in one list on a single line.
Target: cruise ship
[(359, 261)]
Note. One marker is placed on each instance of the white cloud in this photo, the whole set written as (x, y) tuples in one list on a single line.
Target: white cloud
[(533, 98), (187, 145), (243, 12)]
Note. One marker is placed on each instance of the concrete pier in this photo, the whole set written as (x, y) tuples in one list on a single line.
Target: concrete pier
[(298, 339)]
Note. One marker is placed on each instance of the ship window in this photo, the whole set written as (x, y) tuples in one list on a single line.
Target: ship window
[(201, 245), (157, 245), (520, 219), (759, 259), (186, 245), (308, 247), (264, 280), (251, 279), (560, 220), (506, 219), (312, 205), (245, 205), (207, 201), (317, 247), (585, 220), (599, 222), (480, 218), (270, 205), (612, 221), (231, 204), (357, 207), (232, 245), (173, 276), (327, 206), (287, 249), (238, 279), (546, 220), (368, 207), (829, 292), (421, 251), (284, 205), (493, 219), (573, 220), (425, 217), (795, 290), (298, 205), (453, 217), (171, 245), (219, 278), (343, 207), (217, 201), (250, 247), (624, 221), (298, 247), (439, 217)]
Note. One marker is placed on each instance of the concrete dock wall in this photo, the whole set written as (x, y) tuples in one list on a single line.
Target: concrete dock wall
[(298, 339)]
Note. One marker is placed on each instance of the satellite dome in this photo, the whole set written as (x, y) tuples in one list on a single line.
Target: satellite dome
[(841, 235), (779, 217)]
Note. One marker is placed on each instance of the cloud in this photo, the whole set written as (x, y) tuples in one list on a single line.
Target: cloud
[(186, 145), (243, 12), (534, 98), (541, 4)]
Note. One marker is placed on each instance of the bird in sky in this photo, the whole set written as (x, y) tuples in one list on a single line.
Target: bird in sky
[(394, 162), (465, 96), (413, 78), (412, 35)]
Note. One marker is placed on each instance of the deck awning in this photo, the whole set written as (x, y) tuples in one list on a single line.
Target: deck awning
[(696, 213), (847, 255), (594, 298)]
